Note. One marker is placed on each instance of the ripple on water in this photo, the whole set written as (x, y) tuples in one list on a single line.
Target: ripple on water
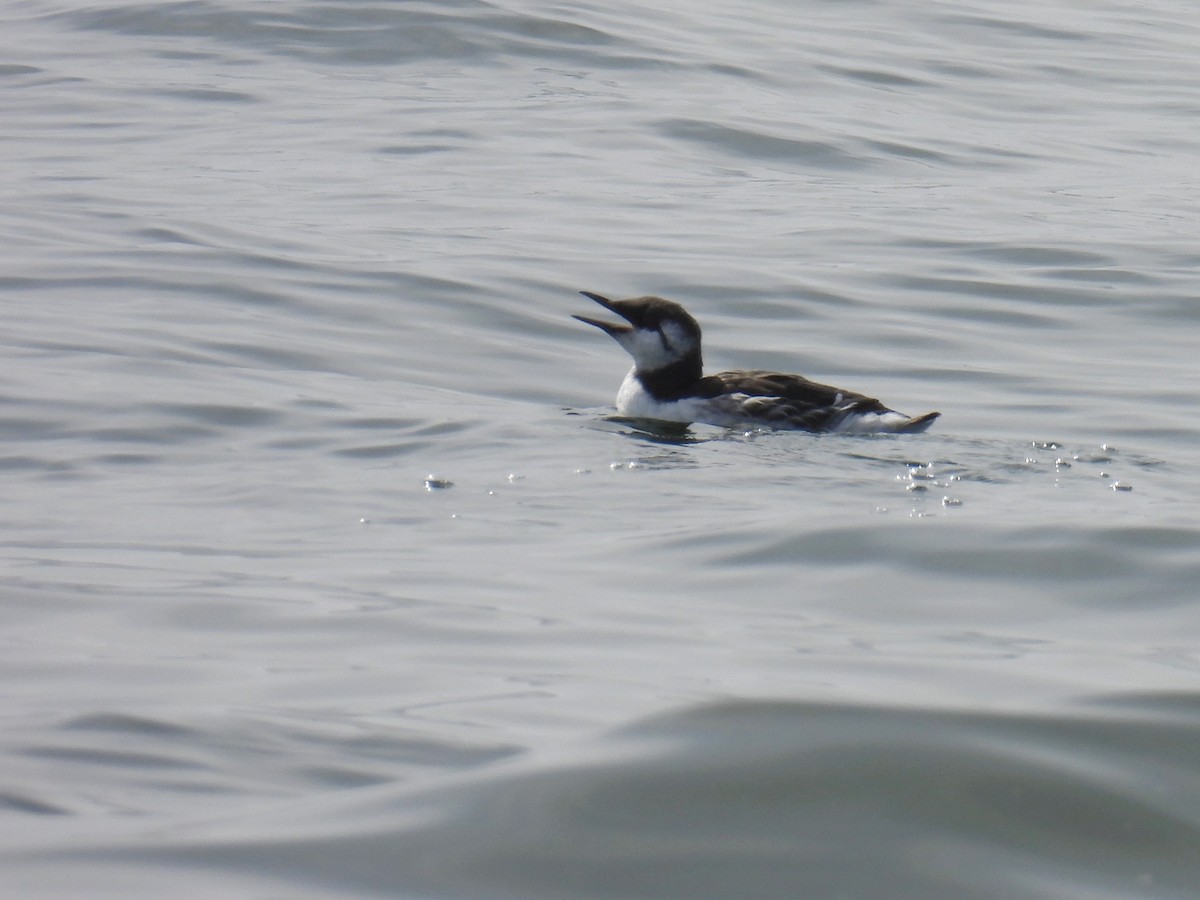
[(748, 798)]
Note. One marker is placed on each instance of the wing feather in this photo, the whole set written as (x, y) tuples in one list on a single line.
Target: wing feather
[(791, 401)]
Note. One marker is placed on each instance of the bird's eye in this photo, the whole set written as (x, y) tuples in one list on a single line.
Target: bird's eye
[(663, 337)]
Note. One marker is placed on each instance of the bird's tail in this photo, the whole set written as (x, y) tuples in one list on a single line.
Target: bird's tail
[(917, 424)]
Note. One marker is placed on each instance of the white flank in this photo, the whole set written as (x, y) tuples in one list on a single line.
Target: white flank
[(872, 423), (727, 410)]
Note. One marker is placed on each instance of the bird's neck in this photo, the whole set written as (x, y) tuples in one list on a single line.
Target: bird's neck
[(674, 380)]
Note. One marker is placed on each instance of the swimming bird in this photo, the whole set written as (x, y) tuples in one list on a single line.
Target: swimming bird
[(667, 382)]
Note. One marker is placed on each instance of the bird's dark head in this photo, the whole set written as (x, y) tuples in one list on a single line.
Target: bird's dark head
[(659, 333)]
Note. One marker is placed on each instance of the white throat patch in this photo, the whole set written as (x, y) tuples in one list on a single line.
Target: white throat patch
[(652, 350)]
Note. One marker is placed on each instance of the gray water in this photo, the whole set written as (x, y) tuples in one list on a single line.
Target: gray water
[(269, 268)]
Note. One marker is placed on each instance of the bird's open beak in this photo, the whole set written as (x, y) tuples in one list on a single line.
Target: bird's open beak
[(610, 328)]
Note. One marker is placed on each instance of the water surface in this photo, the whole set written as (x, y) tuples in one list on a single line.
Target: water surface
[(271, 267)]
